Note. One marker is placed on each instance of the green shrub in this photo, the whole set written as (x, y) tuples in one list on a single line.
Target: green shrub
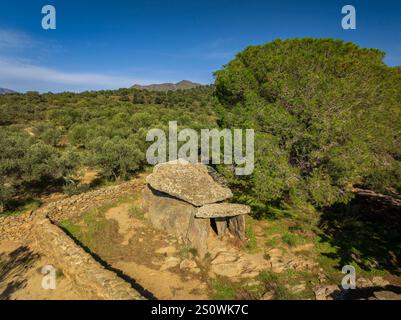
[(222, 290), (293, 239)]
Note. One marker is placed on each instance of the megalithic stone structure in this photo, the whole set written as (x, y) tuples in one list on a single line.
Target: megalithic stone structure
[(183, 199)]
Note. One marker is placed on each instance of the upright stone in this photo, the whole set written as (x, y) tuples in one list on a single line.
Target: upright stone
[(198, 232), (167, 213), (236, 225), (221, 226)]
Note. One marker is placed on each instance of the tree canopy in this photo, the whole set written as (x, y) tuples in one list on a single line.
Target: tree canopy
[(327, 116)]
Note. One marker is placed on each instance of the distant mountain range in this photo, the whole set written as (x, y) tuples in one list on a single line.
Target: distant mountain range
[(4, 91), (182, 85)]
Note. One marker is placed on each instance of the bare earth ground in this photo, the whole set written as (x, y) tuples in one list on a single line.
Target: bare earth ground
[(282, 259), (122, 236), (141, 257), (21, 277)]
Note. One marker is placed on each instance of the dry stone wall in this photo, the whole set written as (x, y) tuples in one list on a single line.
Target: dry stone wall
[(15, 228), (76, 205), (89, 277), (39, 230)]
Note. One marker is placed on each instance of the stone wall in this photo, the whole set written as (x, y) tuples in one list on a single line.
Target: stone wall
[(15, 228), (90, 278), (39, 230), (78, 204)]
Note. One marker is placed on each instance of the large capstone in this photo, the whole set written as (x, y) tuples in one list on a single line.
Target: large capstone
[(222, 210), (189, 182)]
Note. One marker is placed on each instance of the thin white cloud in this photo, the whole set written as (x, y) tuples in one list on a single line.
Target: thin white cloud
[(13, 39), (24, 76), (19, 72)]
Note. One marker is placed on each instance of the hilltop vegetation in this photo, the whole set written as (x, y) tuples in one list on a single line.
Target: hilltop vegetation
[(46, 138), (182, 85), (5, 91), (327, 118)]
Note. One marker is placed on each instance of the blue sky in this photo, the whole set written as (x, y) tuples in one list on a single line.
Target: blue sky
[(110, 44)]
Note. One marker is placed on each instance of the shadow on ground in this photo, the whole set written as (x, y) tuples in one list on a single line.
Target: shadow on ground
[(13, 266), (365, 232)]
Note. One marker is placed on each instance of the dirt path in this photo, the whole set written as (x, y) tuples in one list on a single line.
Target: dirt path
[(125, 226), (165, 284), (152, 258)]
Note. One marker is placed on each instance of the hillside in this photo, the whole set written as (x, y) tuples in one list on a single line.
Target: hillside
[(4, 91), (182, 85), (324, 193)]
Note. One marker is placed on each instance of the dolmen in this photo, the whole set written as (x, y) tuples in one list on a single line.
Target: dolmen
[(187, 201)]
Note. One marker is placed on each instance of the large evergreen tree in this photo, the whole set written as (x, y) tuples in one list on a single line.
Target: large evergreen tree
[(327, 115)]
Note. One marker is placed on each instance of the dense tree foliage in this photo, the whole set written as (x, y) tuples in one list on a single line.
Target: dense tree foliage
[(327, 116), (326, 113), (46, 138)]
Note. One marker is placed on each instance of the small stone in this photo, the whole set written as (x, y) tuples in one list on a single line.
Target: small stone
[(387, 295), (169, 263), (269, 295), (188, 264), (325, 292), (362, 283), (229, 270), (253, 283), (170, 250), (203, 286), (195, 270), (225, 257), (230, 265), (380, 282)]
